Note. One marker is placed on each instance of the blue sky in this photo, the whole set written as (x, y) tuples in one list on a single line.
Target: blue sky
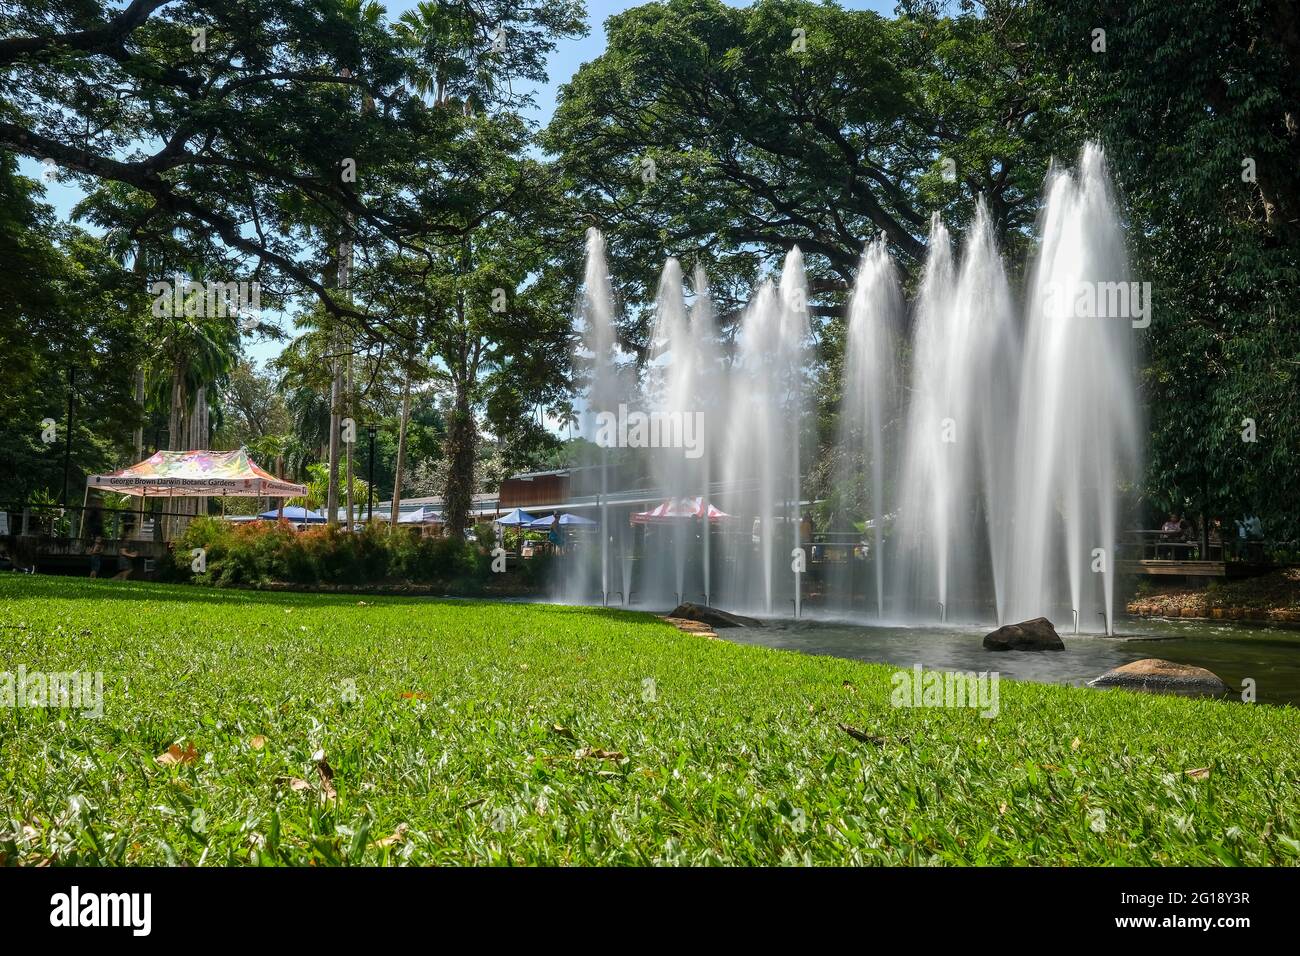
[(562, 64)]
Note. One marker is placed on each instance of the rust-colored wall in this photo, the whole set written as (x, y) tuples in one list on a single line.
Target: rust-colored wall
[(543, 490)]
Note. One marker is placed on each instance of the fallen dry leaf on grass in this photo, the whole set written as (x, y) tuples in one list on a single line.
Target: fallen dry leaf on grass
[(296, 784), (1200, 773), (1076, 743), (862, 735), (562, 730), (598, 754), (258, 742), (327, 791), (174, 755), (414, 694), (395, 838)]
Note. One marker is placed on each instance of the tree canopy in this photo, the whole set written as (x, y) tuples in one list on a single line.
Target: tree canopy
[(379, 181)]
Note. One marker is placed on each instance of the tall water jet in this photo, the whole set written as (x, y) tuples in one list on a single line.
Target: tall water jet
[(925, 507), (748, 463), (874, 314), (1078, 410), (711, 401), (983, 366), (960, 429), (600, 360), (761, 466), (792, 368), (671, 383)]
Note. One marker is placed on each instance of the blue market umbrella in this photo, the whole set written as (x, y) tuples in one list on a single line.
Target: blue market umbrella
[(566, 521), (297, 514), (516, 518)]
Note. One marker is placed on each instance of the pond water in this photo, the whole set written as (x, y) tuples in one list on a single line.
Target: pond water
[(1233, 650)]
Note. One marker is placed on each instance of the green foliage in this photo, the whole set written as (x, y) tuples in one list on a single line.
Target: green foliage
[(266, 552), (1184, 95), (65, 306), (514, 734), (247, 139), (318, 485), (792, 122)]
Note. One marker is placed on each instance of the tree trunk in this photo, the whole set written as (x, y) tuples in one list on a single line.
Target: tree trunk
[(176, 437), (345, 282), (279, 473), (198, 438), (401, 451), (332, 490), (138, 437), (140, 268), (351, 442), (458, 499), (335, 272)]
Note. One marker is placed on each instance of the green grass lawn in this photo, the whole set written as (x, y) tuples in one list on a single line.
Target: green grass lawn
[(466, 733)]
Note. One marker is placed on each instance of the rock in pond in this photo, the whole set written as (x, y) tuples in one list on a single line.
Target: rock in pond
[(1035, 635), (1161, 676), (711, 616)]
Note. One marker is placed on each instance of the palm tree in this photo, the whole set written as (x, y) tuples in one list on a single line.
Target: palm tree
[(441, 38), (194, 354)]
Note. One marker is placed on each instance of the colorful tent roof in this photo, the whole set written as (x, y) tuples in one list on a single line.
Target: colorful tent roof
[(566, 520), (193, 474), (677, 508)]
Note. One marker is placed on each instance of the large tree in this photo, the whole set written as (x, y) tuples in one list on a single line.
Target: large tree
[(492, 323), (1199, 104), (275, 126), (725, 135)]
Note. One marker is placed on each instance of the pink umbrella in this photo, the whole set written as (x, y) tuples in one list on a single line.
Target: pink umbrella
[(674, 509)]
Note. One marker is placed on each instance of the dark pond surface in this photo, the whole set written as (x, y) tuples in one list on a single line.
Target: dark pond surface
[(1233, 650)]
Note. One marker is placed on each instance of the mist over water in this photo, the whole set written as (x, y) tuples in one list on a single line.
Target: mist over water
[(978, 461)]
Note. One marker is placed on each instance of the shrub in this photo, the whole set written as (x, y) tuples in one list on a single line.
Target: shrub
[(265, 552), (536, 571)]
